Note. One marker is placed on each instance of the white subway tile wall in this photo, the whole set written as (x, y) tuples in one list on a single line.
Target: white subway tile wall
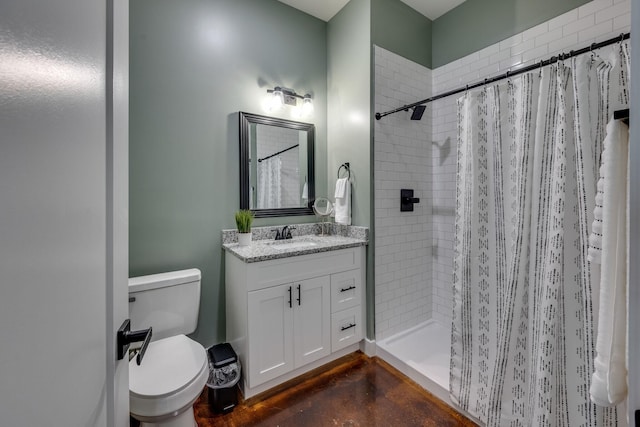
[(595, 21), (414, 251), (402, 239)]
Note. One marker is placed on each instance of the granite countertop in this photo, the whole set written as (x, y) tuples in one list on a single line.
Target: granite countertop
[(263, 250)]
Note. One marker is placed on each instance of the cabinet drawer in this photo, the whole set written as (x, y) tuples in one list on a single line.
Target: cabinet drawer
[(346, 290), (264, 274), (346, 328)]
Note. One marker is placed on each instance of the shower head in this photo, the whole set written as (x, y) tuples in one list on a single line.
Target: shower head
[(418, 111)]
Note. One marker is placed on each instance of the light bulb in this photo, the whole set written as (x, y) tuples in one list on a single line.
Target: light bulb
[(278, 99), (307, 106)]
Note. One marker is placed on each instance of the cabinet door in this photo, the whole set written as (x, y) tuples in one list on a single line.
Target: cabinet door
[(312, 321), (271, 332)]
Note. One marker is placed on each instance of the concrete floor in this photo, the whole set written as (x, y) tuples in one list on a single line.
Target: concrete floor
[(357, 391)]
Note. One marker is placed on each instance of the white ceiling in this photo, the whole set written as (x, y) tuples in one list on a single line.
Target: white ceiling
[(326, 9), (433, 9), (321, 9)]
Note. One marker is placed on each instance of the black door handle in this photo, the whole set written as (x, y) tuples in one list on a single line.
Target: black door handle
[(290, 305), (126, 336), (299, 295)]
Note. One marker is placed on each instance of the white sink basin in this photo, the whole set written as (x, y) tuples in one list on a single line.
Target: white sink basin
[(292, 245)]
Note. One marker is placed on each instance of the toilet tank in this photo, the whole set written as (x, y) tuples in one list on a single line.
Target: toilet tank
[(168, 302)]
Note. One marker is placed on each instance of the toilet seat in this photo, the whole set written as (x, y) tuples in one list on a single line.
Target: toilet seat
[(172, 375)]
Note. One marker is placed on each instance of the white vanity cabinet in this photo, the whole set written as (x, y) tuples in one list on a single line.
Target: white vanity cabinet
[(289, 315), (291, 325)]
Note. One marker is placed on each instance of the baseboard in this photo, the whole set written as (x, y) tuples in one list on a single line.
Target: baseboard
[(368, 347)]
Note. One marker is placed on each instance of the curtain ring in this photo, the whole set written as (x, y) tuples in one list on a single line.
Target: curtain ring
[(620, 42), (540, 65), (594, 54)]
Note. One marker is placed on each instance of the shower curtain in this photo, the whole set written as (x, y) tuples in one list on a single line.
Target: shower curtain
[(525, 304), (269, 188)]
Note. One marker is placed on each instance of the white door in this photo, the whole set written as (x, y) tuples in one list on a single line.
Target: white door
[(270, 333), (63, 212), (311, 322)]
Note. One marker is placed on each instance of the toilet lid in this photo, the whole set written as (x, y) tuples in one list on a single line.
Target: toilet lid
[(169, 365)]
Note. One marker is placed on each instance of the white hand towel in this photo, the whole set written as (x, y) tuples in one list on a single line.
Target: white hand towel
[(343, 201), (341, 188), (609, 381)]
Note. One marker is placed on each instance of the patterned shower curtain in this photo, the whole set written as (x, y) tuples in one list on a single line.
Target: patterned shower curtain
[(269, 183), (525, 304)]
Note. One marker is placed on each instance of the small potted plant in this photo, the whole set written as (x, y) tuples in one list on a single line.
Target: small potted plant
[(244, 218)]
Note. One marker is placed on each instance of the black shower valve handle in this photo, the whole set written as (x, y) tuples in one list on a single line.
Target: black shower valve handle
[(407, 200)]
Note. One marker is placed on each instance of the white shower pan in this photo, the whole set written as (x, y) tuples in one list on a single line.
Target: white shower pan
[(422, 354)]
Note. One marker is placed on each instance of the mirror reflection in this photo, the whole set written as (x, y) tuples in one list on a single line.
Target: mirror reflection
[(276, 165), (278, 177)]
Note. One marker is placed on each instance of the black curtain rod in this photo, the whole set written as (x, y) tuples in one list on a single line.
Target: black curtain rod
[(508, 74), (278, 153)]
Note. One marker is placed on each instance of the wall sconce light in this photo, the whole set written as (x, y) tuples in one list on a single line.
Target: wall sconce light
[(307, 106), (283, 96)]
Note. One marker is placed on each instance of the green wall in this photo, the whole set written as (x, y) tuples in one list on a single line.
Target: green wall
[(476, 24), (349, 115), (193, 65), (400, 29), (348, 40)]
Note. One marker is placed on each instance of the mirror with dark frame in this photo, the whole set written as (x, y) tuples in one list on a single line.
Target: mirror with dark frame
[(276, 166)]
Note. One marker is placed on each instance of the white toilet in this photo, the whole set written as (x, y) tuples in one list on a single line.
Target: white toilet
[(174, 370)]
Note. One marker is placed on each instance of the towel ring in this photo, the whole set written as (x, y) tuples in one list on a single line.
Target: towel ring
[(346, 167)]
